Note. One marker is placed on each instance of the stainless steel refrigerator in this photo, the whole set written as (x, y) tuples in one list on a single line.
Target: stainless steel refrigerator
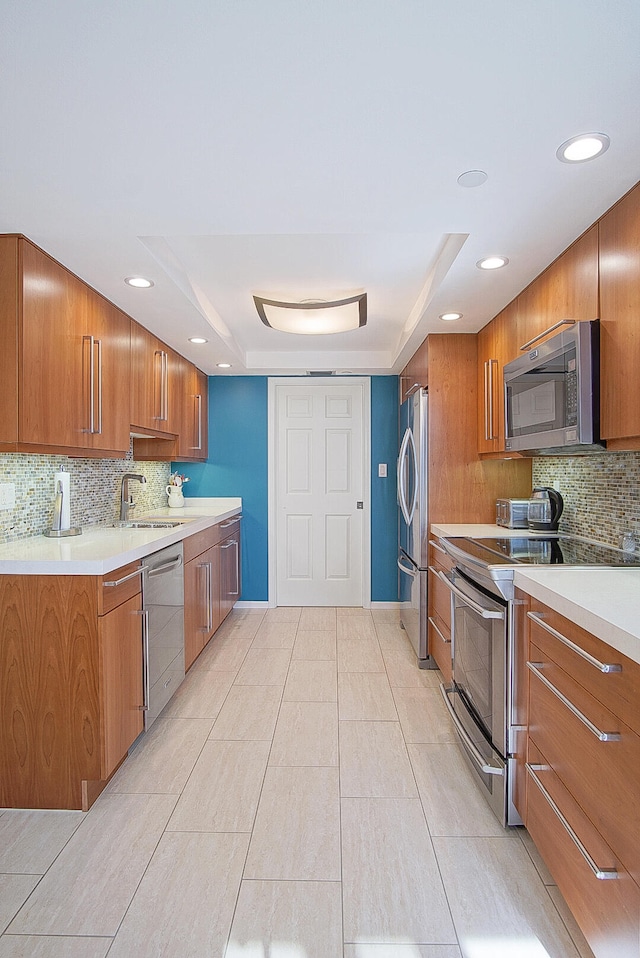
[(413, 525)]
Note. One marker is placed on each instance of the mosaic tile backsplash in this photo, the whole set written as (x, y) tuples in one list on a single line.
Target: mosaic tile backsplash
[(95, 490), (601, 493)]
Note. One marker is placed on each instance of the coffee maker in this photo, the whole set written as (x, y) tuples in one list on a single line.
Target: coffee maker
[(545, 509)]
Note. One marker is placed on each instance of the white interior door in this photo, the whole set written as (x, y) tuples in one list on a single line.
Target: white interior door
[(319, 452)]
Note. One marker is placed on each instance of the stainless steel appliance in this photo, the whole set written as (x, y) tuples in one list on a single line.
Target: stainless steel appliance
[(512, 513), (163, 604), (545, 509), (413, 523), (552, 393), (482, 697)]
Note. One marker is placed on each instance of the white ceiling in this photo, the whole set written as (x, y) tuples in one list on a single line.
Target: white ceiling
[(226, 147)]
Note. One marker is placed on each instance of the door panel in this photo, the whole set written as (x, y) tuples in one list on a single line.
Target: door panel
[(319, 481)]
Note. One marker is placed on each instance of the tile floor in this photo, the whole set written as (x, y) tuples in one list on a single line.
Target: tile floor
[(301, 796)]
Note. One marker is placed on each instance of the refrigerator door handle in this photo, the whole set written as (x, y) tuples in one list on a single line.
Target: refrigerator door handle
[(407, 448), (409, 571)]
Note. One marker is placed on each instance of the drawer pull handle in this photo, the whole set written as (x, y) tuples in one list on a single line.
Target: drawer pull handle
[(437, 546), (600, 666), (447, 641), (535, 667), (602, 874), (125, 578)]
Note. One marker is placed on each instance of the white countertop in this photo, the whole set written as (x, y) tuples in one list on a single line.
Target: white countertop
[(606, 602), (480, 531), (101, 549)]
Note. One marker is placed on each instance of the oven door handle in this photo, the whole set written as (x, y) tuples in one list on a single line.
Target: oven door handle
[(469, 745), (485, 613)]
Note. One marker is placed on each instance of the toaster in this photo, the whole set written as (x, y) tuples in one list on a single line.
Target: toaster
[(512, 513)]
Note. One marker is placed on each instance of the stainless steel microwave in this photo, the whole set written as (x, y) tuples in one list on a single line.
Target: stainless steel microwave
[(552, 394)]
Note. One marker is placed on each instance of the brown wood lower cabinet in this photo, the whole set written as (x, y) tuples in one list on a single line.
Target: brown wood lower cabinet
[(71, 693), (439, 620), (211, 583), (583, 774)]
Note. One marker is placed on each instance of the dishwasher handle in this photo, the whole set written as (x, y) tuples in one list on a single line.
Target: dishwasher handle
[(165, 567)]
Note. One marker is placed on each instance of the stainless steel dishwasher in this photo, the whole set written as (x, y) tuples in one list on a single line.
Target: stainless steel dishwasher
[(163, 603)]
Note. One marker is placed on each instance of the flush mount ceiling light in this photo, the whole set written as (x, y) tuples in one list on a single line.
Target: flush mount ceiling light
[(313, 317), (450, 317), (139, 282), (584, 147), (492, 262), (198, 340)]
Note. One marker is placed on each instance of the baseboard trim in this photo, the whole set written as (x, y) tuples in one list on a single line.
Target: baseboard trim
[(251, 605), (385, 605)]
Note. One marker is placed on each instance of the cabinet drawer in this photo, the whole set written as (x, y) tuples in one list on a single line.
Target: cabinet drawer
[(602, 776), (199, 542), (438, 557), (619, 690), (439, 601), (440, 647), (607, 910), (118, 586)]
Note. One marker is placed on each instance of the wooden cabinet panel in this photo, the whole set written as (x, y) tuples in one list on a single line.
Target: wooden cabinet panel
[(607, 911), (190, 412), (439, 602), (154, 371), (202, 601), (416, 372), (567, 289), (520, 699), (9, 324), (70, 689), (618, 691), (109, 332), (602, 776), (120, 636), (497, 345), (619, 326), (230, 586)]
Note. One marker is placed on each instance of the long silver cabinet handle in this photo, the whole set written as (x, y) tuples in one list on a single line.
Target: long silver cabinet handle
[(535, 667), (485, 613), (145, 660), (231, 522), (486, 400), (447, 641), (492, 363), (563, 322), (125, 578), (99, 345), (237, 589), (208, 594), (199, 401), (477, 756), (436, 545), (600, 666), (602, 874)]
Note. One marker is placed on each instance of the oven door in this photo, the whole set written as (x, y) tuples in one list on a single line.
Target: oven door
[(477, 699)]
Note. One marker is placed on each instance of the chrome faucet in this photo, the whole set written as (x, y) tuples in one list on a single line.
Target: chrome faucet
[(126, 499)]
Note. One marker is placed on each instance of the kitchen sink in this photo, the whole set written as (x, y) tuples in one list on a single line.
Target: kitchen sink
[(145, 524)]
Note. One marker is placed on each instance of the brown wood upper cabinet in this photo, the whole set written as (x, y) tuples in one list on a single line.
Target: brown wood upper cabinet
[(65, 355), (155, 375), (620, 322), (497, 345), (567, 289), (190, 398)]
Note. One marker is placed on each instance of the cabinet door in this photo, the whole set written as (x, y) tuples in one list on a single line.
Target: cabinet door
[(568, 289), (197, 618), (416, 372), (121, 685), (497, 345), (190, 411), (107, 365), (153, 366), (54, 401), (619, 311), (229, 574)]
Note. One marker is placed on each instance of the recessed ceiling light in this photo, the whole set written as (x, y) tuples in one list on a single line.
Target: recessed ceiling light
[(450, 317), (492, 262), (584, 147), (198, 340), (472, 178), (223, 365), (139, 282)]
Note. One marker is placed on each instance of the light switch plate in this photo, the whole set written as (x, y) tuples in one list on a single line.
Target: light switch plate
[(382, 470), (7, 495)]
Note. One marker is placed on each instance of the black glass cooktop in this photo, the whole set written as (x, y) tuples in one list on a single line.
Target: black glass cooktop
[(554, 550)]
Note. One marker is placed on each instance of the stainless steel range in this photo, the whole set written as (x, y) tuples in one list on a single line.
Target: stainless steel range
[(480, 699)]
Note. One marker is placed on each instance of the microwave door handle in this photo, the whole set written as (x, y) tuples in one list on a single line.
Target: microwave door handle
[(563, 322), (485, 613)]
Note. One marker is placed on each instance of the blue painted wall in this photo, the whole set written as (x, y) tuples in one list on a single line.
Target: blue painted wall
[(238, 466)]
